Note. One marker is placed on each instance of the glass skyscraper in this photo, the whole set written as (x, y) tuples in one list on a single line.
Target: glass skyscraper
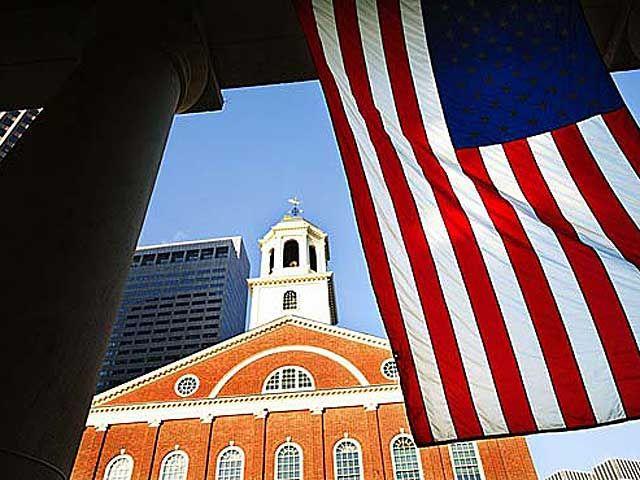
[(179, 298)]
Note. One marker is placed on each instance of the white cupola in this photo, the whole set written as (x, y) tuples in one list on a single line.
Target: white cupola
[(294, 278)]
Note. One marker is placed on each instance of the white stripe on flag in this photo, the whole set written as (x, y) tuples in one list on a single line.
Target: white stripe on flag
[(415, 324), (493, 251), (521, 330), (624, 276), (613, 164), (583, 336), (474, 358)]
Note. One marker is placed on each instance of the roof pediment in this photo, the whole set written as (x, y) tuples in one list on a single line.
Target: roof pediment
[(335, 357)]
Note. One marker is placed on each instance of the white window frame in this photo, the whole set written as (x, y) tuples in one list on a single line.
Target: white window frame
[(393, 458), (279, 449), (478, 457), (297, 389), (385, 362), (114, 460), (181, 453), (335, 456), (183, 377), (294, 300), (227, 449)]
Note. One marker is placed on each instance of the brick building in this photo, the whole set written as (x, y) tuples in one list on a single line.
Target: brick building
[(292, 398)]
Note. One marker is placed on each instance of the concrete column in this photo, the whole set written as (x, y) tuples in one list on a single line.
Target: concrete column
[(73, 195)]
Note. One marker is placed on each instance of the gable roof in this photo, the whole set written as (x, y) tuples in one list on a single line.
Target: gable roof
[(218, 348)]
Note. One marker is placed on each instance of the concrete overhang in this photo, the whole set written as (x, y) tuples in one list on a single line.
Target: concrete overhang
[(250, 43)]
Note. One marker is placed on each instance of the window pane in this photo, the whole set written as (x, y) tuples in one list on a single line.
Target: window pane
[(348, 461), (405, 459), (230, 465), (465, 462), (120, 469), (288, 463), (174, 467)]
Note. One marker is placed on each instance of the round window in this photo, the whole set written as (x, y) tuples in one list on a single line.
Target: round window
[(187, 385), (389, 369)]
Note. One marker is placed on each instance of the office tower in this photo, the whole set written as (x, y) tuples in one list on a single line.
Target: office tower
[(179, 298), (12, 125), (611, 469)]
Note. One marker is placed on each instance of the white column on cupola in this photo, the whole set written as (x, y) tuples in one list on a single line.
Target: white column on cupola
[(293, 286)]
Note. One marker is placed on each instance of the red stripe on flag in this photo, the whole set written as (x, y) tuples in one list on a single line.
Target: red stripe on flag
[(625, 130), (603, 202), (370, 234), (552, 336), (602, 300), (495, 338), (619, 227), (434, 306)]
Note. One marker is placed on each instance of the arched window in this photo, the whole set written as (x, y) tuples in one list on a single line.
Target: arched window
[(290, 300), (174, 466), (288, 379), (289, 462), (119, 468), (405, 459), (291, 255), (230, 464), (313, 258), (271, 261), (466, 464), (347, 458)]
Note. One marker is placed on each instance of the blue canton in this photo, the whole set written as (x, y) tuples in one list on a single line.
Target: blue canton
[(509, 70)]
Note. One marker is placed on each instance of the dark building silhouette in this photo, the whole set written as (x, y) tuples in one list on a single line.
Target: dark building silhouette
[(179, 298)]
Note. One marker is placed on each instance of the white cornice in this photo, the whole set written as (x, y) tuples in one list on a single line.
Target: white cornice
[(276, 280), (293, 223), (221, 347), (236, 240), (245, 405)]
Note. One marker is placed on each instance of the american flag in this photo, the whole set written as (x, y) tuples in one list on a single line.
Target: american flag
[(493, 169)]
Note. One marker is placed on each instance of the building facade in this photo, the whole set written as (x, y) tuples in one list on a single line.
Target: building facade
[(612, 469), (179, 298), (292, 398), (12, 125)]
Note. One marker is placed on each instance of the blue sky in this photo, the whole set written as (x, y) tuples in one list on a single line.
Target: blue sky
[(231, 172)]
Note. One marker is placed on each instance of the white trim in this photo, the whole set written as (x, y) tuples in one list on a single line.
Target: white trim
[(226, 449), (360, 463), (181, 453), (297, 389), (393, 458), (13, 126), (290, 348), (288, 443), (289, 279), (114, 460), (214, 350), (184, 377), (478, 458), (229, 406)]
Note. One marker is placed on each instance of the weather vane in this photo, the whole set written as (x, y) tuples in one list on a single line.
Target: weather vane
[(295, 210)]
